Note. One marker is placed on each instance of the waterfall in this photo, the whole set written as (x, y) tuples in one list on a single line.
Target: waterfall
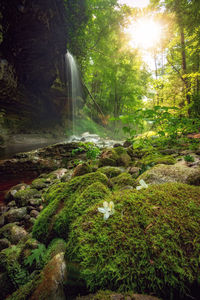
[(74, 88)]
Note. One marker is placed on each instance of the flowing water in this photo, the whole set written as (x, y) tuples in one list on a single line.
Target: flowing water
[(75, 93)]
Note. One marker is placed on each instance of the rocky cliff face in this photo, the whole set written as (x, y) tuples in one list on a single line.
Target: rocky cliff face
[(34, 42)]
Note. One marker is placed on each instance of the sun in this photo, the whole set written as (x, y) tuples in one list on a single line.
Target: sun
[(145, 33)]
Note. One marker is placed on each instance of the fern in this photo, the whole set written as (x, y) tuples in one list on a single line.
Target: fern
[(37, 255)]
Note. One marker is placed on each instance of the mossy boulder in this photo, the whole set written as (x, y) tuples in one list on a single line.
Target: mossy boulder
[(82, 169), (55, 247), (156, 158), (111, 172), (149, 245), (122, 180), (54, 220), (11, 266), (52, 276), (22, 197), (114, 157), (13, 233), (171, 173)]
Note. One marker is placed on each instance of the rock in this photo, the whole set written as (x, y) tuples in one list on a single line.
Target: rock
[(4, 243), (15, 214), (122, 180), (13, 233), (81, 169), (12, 204), (11, 193), (114, 157), (39, 183), (68, 203), (150, 227), (2, 220), (52, 280), (23, 197), (134, 171), (111, 171), (171, 173), (35, 202), (34, 213)]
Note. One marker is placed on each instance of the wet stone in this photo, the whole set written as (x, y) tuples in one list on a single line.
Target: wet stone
[(15, 214)]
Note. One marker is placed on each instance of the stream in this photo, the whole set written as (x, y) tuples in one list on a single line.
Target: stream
[(26, 145)]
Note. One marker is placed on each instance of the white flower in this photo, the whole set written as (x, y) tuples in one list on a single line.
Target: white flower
[(107, 209), (142, 185)]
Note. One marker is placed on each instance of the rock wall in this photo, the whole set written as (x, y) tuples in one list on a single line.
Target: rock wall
[(34, 42)]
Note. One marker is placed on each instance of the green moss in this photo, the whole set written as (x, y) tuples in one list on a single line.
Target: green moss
[(151, 244), (155, 158), (25, 291), (62, 197), (42, 224), (39, 183), (56, 246), (110, 171), (22, 196), (122, 180), (10, 263)]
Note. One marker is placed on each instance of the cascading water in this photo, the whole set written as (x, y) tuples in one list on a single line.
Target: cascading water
[(74, 89)]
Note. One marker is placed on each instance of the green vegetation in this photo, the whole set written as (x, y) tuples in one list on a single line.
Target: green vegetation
[(150, 244)]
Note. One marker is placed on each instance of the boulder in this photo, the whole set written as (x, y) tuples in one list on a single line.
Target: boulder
[(171, 173), (52, 280), (13, 233), (15, 214), (138, 247)]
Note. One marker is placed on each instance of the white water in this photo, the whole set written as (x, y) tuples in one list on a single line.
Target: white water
[(74, 88)]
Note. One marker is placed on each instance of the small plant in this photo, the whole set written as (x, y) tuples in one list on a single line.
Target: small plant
[(37, 255), (77, 150), (189, 158), (93, 152)]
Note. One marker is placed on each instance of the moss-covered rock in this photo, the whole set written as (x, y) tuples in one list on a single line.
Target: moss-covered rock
[(122, 180), (52, 278), (40, 183), (150, 244), (114, 157), (156, 158), (22, 197), (171, 173), (10, 264), (81, 169), (111, 171), (54, 220), (13, 233), (55, 247)]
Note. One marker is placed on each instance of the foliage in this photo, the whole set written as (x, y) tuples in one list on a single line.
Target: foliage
[(150, 245), (166, 121), (36, 256), (189, 158)]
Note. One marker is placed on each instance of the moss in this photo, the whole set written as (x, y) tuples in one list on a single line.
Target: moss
[(122, 180), (39, 183), (25, 291), (155, 158), (110, 171), (56, 246), (92, 194), (21, 197), (151, 244), (62, 198), (42, 224), (9, 263)]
